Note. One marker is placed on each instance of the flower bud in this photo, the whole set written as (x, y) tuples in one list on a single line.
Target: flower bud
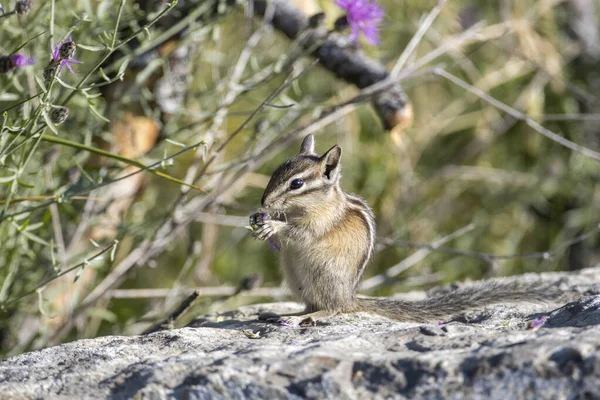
[(23, 7), (67, 50), (317, 20), (59, 115), (341, 23), (49, 72), (6, 64)]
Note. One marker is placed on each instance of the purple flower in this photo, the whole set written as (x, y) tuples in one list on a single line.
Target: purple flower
[(365, 16), (281, 322), (64, 53), (14, 61), (20, 60), (538, 322)]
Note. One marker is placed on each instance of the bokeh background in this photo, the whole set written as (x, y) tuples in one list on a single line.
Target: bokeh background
[(497, 196)]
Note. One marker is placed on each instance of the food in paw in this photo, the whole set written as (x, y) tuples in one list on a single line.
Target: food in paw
[(258, 219)]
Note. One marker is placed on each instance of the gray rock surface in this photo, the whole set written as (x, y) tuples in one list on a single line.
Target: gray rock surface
[(491, 354)]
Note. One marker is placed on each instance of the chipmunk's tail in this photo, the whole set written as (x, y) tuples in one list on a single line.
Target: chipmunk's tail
[(476, 295)]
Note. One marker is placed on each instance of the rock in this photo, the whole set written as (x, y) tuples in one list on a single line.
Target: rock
[(490, 354)]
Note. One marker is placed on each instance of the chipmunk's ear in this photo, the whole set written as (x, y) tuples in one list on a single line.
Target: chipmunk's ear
[(330, 163), (308, 145)]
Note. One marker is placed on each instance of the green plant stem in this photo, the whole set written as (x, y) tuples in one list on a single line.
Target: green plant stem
[(104, 153), (88, 190), (80, 265), (21, 102), (108, 154), (8, 14), (112, 50), (114, 38)]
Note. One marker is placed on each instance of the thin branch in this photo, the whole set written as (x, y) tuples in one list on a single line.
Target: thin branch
[(113, 156), (203, 291), (222, 219), (8, 14), (417, 37), (113, 49), (518, 115), (284, 85), (73, 268), (249, 283), (175, 315), (413, 259), (568, 117), (105, 183), (234, 90), (40, 198), (471, 34), (494, 257)]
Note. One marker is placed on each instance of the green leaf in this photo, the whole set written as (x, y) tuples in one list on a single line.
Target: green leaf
[(27, 185), (97, 113), (41, 83), (91, 48), (30, 236), (50, 123), (103, 75), (113, 251), (123, 67), (63, 83), (9, 96), (25, 225), (175, 143), (8, 179), (33, 227)]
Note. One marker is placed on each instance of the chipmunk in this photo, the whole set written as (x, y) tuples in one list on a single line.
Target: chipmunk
[(327, 237)]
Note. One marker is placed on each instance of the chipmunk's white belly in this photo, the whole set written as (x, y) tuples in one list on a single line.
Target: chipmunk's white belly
[(297, 270), (316, 279)]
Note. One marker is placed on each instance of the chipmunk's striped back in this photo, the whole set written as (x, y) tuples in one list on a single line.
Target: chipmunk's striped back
[(359, 205)]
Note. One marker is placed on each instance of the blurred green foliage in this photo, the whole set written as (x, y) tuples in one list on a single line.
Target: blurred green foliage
[(462, 162)]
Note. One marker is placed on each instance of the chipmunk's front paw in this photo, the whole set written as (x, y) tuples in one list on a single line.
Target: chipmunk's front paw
[(264, 231)]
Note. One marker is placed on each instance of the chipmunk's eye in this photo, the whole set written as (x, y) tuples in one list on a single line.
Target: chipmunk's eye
[(296, 184)]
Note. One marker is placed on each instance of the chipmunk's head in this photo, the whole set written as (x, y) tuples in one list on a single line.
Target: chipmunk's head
[(304, 180)]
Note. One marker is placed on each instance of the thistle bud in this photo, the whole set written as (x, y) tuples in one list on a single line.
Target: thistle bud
[(317, 20), (50, 71), (23, 7), (67, 50), (341, 24), (6, 64), (59, 115)]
